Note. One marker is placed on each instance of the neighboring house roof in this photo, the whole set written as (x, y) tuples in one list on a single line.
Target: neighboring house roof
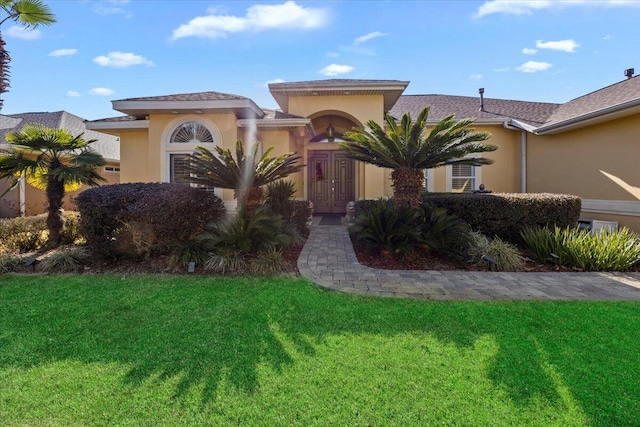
[(107, 145), (495, 110), (620, 98)]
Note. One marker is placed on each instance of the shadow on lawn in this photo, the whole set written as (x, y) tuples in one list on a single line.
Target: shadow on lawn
[(203, 333)]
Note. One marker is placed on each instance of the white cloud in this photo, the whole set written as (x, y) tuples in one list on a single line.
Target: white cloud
[(501, 70), (527, 7), (476, 76), (563, 45), (608, 37), (121, 60), (529, 51), (112, 7), (260, 17), (101, 91), (335, 69), (534, 66), (23, 33), (63, 52), (73, 93), (368, 37)]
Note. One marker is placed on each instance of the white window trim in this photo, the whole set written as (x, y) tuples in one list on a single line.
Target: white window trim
[(477, 174), (111, 169), (169, 148), (430, 176)]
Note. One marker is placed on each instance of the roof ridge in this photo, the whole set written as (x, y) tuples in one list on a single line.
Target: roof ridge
[(603, 88)]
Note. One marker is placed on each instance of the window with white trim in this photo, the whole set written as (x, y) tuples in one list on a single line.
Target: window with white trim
[(463, 178), (112, 169), (429, 180), (182, 142)]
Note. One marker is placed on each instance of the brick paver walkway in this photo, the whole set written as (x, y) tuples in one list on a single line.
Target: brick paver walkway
[(328, 259)]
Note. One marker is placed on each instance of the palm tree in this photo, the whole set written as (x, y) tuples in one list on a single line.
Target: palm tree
[(29, 13), (52, 160), (246, 173), (410, 148)]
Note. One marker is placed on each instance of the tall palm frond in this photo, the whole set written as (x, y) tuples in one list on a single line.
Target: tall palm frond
[(53, 160), (242, 172), (409, 147), (29, 13)]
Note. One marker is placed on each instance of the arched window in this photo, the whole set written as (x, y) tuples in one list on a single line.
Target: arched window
[(182, 141), (191, 133)]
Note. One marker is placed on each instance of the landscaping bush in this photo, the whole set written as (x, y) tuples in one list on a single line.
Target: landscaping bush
[(10, 263), (443, 232), (603, 250), (280, 201), (175, 212), (64, 260), (385, 227), (300, 214), (26, 234), (507, 256), (504, 215)]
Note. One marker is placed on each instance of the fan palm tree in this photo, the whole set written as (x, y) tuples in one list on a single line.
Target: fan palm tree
[(29, 13), (52, 160), (409, 148), (246, 173)]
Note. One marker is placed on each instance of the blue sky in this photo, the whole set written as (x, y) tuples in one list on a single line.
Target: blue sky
[(101, 50)]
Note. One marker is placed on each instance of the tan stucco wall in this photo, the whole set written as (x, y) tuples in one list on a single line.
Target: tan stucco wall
[(573, 162), (8, 202), (134, 147)]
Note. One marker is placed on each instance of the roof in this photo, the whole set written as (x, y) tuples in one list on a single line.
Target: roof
[(196, 96), (610, 99), (534, 113), (107, 145)]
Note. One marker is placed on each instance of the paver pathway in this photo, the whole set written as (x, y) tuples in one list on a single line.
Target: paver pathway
[(328, 259)]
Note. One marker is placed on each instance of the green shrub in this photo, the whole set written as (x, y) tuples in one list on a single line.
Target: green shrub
[(387, 228), (71, 233), (604, 250), (244, 236), (175, 213), (280, 201), (189, 251), (23, 234), (506, 255), (504, 215), (64, 260), (267, 263), (300, 216), (444, 233), (10, 263)]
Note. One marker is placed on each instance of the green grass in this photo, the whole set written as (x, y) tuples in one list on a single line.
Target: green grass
[(190, 351)]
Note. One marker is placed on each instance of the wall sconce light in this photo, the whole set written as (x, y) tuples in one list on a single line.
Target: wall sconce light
[(330, 133)]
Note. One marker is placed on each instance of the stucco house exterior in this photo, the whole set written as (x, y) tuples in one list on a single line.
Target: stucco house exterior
[(27, 200), (589, 146)]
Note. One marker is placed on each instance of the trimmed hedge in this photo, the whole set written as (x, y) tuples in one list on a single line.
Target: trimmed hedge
[(506, 214), (174, 212), (300, 213)]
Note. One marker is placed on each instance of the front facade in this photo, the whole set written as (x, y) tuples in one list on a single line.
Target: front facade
[(588, 147)]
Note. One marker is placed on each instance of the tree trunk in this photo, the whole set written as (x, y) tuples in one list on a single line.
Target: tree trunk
[(55, 217), (407, 186), (5, 58), (249, 199)]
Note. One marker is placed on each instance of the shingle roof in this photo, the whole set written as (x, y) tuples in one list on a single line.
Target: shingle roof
[(115, 119), (197, 96), (278, 114), (330, 82), (107, 145), (534, 113), (616, 94)]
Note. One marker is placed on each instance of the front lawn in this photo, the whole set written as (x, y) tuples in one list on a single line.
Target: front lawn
[(165, 350)]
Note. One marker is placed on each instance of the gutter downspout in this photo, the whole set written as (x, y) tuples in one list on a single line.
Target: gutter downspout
[(523, 155)]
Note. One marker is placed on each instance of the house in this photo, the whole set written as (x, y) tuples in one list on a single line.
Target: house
[(589, 146), (27, 200)]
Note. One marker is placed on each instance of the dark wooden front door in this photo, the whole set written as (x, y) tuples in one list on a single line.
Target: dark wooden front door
[(331, 178)]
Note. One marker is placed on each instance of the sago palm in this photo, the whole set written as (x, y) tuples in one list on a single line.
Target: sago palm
[(246, 173), (410, 147), (52, 160), (28, 13)]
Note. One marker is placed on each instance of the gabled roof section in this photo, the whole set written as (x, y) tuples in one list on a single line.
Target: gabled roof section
[(276, 120), (390, 89), (189, 103), (495, 110), (107, 145), (618, 100)]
